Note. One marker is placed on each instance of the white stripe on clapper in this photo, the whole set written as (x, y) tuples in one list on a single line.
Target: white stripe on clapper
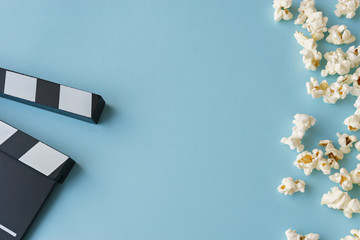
[(8, 230)]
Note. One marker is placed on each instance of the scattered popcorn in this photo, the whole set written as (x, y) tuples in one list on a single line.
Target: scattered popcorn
[(289, 186), (353, 122), (337, 199), (306, 8), (354, 232), (315, 89), (346, 7), (339, 34), (302, 123), (346, 142), (311, 57), (348, 79), (352, 54), (355, 175), (306, 160), (282, 10), (343, 178), (337, 62), (331, 94), (316, 25), (357, 146), (332, 153), (309, 161), (292, 235), (355, 78)]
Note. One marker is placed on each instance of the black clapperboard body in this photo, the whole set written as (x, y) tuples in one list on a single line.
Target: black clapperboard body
[(30, 169)]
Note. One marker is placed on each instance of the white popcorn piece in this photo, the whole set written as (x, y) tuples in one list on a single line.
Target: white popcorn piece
[(292, 235), (355, 78), (335, 92), (355, 175), (353, 55), (357, 146), (346, 7), (333, 154), (337, 62), (306, 8), (340, 200), (308, 161), (289, 186), (339, 34), (302, 123), (348, 79), (315, 89), (344, 178), (316, 25), (355, 233), (282, 10), (331, 94), (346, 142), (353, 122), (311, 57)]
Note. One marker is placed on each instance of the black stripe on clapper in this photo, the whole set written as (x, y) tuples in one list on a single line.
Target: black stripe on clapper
[(47, 93), (2, 79), (18, 144)]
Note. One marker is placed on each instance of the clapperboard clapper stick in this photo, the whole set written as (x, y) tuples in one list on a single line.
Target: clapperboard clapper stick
[(51, 96), (29, 170)]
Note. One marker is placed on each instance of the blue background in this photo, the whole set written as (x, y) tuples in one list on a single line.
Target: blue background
[(199, 94)]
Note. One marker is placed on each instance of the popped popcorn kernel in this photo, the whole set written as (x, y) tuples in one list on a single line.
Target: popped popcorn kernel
[(347, 8), (339, 34), (306, 8), (346, 142), (316, 25), (343, 178), (355, 233), (340, 200), (355, 175), (288, 186), (311, 57), (331, 152), (292, 235), (302, 123), (282, 10), (337, 63), (353, 55), (306, 160)]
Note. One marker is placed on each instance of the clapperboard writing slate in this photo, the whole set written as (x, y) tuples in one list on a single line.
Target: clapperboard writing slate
[(52, 96), (29, 170)]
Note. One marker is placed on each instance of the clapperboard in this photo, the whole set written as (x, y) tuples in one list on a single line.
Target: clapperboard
[(30, 169)]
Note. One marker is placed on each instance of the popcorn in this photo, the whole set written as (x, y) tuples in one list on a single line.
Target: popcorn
[(355, 175), (289, 186), (346, 7), (346, 142), (338, 34), (337, 62), (315, 160), (353, 122), (311, 57), (306, 8), (357, 146), (316, 25), (332, 153), (354, 232), (335, 92), (355, 78), (352, 54), (348, 79), (337, 199), (315, 89), (282, 10), (302, 123), (292, 235), (343, 178), (306, 160)]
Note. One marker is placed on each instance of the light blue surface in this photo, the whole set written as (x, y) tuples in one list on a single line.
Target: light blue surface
[(199, 95)]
